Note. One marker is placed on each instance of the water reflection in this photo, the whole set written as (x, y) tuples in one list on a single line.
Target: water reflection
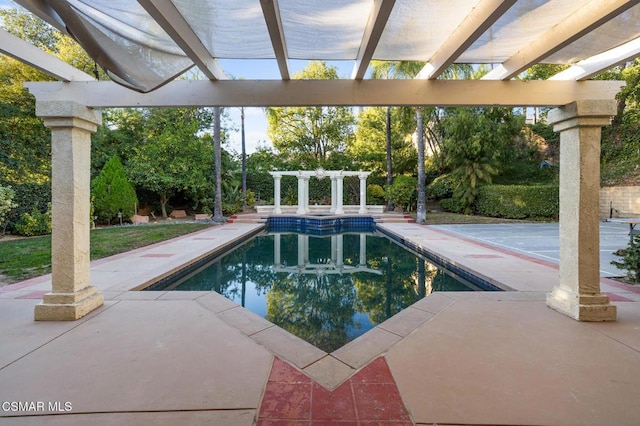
[(326, 290)]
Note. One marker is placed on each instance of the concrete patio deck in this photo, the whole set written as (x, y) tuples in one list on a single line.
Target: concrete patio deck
[(452, 358)]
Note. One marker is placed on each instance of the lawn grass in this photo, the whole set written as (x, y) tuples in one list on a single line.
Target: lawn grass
[(26, 258)]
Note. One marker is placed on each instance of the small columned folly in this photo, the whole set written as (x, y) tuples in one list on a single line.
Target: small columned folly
[(578, 294), (71, 295), (337, 179)]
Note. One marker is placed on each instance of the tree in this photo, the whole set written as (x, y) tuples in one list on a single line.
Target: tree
[(477, 141), (172, 157), (310, 134), (112, 193)]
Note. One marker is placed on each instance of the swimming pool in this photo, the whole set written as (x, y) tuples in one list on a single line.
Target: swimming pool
[(326, 289)]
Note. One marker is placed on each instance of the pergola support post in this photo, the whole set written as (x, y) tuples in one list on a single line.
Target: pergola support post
[(71, 296), (578, 294)]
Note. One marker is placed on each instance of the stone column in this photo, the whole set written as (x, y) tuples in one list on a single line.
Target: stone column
[(339, 251), (363, 249), (276, 193), (301, 208), (339, 181), (363, 193), (578, 294), (71, 295), (333, 194)]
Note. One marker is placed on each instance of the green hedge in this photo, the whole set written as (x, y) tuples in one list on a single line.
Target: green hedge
[(518, 201)]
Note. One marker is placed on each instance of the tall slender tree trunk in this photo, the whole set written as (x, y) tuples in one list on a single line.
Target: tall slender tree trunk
[(422, 205), (389, 158), (217, 158), (244, 160)]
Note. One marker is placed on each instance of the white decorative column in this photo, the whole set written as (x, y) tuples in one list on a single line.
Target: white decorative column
[(71, 295), (301, 207), (276, 193), (301, 254), (306, 194), (333, 193), (339, 208), (578, 294), (363, 193), (363, 249)]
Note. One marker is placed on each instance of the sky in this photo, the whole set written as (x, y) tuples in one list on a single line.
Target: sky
[(255, 121)]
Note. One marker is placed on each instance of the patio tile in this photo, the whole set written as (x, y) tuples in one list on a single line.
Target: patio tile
[(283, 372), (289, 347), (433, 303), (216, 302), (143, 356), (404, 322), (140, 295), (333, 405), (285, 401), (360, 351), (244, 320), (182, 295), (191, 418), (516, 363), (377, 371), (379, 402), (329, 372)]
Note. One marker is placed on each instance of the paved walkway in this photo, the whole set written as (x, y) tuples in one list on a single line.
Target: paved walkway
[(197, 358)]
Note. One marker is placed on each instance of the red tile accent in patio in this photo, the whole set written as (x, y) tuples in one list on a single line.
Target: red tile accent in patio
[(370, 397)]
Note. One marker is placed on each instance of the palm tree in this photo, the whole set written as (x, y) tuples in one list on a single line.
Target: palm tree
[(386, 70)]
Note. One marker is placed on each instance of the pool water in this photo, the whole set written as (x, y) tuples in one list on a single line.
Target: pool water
[(327, 290)]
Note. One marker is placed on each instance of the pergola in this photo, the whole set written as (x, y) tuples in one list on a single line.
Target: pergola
[(144, 45)]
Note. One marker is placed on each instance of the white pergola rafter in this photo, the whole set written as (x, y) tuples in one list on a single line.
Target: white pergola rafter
[(174, 24), (583, 21), (273, 20), (259, 93), (375, 26), (485, 14), (37, 58), (594, 65)]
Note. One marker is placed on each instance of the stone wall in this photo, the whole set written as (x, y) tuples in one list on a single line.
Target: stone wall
[(624, 199)]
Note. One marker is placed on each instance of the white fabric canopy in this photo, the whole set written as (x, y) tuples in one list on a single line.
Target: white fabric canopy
[(144, 44)]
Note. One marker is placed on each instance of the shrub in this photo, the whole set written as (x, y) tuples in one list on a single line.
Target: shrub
[(35, 223), (27, 196), (452, 205), (375, 194), (113, 193), (442, 187), (402, 192), (630, 259), (6, 205), (518, 201), (250, 198)]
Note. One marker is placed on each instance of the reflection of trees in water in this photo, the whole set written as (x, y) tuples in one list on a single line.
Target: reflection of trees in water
[(320, 307), (317, 308)]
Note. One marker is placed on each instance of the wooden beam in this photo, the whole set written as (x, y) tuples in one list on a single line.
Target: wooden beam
[(173, 23), (594, 65), (580, 23), (37, 58), (259, 93), (375, 26), (271, 13), (485, 14)]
